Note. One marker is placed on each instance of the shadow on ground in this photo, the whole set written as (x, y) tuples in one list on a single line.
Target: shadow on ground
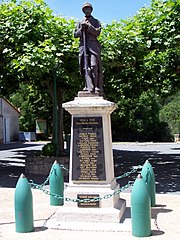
[(166, 168), (9, 175), (17, 145), (12, 168)]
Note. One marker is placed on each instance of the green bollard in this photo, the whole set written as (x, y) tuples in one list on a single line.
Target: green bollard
[(149, 178), (23, 206), (56, 183), (140, 209)]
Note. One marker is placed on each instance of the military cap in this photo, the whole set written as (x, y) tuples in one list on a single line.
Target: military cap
[(87, 5)]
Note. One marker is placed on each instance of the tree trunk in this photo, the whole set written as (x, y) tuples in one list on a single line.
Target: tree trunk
[(60, 121), (57, 126)]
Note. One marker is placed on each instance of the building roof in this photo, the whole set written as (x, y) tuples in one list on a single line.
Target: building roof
[(11, 104)]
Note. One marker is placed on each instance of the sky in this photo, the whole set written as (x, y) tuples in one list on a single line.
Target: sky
[(104, 10)]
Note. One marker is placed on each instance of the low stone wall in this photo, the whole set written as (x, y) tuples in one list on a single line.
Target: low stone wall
[(41, 165)]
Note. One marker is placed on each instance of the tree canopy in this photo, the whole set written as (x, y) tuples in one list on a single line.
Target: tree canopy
[(37, 47), (170, 113), (33, 43), (142, 52), (140, 58), (141, 66)]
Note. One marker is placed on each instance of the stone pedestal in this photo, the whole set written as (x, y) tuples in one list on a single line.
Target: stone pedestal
[(91, 163)]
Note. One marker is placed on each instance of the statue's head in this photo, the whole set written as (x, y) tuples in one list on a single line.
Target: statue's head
[(87, 9)]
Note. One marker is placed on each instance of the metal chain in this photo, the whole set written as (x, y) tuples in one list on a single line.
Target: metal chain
[(129, 173), (96, 199), (156, 224), (34, 185), (155, 221), (39, 186), (62, 166), (45, 222)]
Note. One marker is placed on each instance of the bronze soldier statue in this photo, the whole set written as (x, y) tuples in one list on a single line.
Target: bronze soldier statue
[(89, 50)]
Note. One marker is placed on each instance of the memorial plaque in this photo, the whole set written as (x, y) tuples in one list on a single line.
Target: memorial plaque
[(88, 204), (88, 149)]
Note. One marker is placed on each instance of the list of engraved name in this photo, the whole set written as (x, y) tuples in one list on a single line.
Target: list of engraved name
[(88, 154)]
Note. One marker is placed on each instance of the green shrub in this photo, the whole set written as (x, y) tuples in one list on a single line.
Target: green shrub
[(170, 113), (49, 149)]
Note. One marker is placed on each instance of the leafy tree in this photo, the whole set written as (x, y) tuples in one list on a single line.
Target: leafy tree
[(140, 58), (170, 113), (34, 104), (142, 53), (27, 118), (138, 119), (37, 47)]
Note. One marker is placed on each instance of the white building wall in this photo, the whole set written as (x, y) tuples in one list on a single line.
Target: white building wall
[(1, 123), (10, 122)]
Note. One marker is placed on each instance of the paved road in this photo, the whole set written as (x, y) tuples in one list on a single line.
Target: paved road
[(14, 154), (165, 159), (12, 161)]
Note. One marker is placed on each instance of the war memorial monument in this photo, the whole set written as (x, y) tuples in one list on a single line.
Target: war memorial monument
[(91, 173)]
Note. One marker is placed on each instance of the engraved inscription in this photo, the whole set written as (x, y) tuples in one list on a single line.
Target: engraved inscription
[(88, 149), (88, 204)]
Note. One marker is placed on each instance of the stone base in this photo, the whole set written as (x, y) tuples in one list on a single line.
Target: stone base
[(98, 215), (89, 182), (110, 209), (88, 94)]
